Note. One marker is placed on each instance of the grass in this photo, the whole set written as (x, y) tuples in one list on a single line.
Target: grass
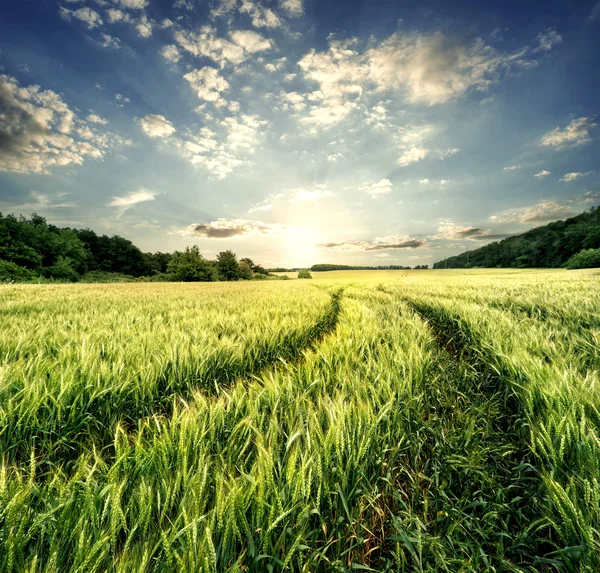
[(386, 421)]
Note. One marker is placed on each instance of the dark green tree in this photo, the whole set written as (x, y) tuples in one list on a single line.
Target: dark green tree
[(586, 259), (227, 264), (191, 266), (245, 270)]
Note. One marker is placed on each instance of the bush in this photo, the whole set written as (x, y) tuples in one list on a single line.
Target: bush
[(304, 274), (191, 266), (63, 270), (106, 277), (586, 259), (13, 272)]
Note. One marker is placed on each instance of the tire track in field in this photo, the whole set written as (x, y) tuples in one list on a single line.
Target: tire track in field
[(67, 442), (476, 455)]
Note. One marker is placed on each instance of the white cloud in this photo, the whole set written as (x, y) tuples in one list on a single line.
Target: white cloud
[(541, 213), (95, 118), (250, 41), (381, 187), (576, 133), (267, 204), (449, 152), (303, 195), (542, 174), (512, 168), (207, 83), (206, 43), (261, 17), (412, 155), (575, 175), (156, 125), (292, 8), (132, 199), (222, 154), (90, 17), (547, 40), (37, 130), (109, 41), (171, 53), (133, 4), (116, 15), (144, 26)]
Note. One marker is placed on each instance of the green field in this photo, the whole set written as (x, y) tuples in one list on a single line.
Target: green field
[(370, 421)]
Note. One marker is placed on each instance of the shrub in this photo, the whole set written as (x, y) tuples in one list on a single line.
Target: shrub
[(13, 272), (191, 266), (586, 259), (304, 274)]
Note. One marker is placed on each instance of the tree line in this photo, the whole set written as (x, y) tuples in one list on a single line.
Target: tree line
[(31, 249), (552, 246)]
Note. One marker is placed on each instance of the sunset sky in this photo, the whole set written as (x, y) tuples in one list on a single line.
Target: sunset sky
[(297, 132)]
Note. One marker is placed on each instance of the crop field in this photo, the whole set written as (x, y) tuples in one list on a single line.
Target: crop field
[(371, 421)]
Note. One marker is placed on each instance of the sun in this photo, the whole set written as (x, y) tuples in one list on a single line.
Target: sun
[(300, 245)]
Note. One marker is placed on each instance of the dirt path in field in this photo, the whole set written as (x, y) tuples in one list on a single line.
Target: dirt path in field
[(466, 497)]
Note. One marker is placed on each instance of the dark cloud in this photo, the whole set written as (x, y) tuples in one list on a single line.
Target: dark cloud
[(226, 228), (374, 245), (411, 244)]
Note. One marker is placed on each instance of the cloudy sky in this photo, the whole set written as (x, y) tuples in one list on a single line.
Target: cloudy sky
[(297, 131)]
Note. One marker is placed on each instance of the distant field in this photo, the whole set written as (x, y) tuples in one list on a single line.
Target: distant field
[(362, 420)]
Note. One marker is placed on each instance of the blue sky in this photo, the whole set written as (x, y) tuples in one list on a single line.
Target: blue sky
[(299, 132)]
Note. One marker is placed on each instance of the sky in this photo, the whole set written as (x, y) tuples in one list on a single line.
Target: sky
[(298, 132)]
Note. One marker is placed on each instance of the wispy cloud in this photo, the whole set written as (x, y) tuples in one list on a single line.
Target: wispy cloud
[(575, 175), (577, 132), (140, 196)]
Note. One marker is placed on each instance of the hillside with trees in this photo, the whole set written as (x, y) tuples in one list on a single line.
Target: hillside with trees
[(550, 246), (31, 249)]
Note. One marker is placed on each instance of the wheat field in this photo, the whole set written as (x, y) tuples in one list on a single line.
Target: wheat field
[(374, 421)]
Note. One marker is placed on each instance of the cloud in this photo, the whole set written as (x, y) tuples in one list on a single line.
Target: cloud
[(547, 40), (512, 168), (37, 130), (449, 230), (436, 68), (205, 43), (576, 133), (132, 199), (171, 53), (156, 125), (95, 118), (315, 194), (221, 154), (144, 26), (41, 202), (227, 228), (541, 213), (90, 17), (575, 175), (542, 174), (292, 8), (261, 17), (207, 83), (116, 15), (109, 41), (133, 4), (412, 154), (250, 41), (379, 244), (449, 152)]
